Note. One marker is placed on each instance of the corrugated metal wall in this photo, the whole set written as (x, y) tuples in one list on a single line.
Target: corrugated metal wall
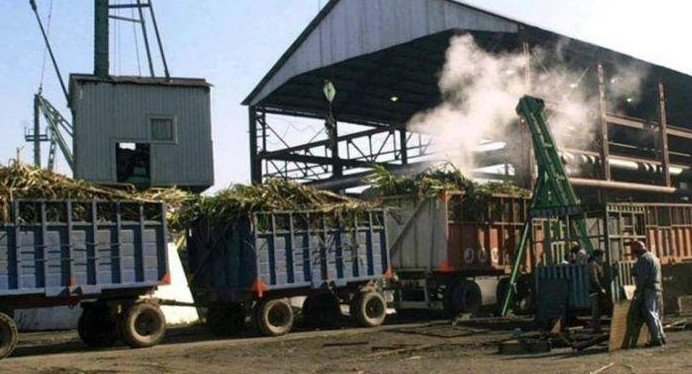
[(106, 113)]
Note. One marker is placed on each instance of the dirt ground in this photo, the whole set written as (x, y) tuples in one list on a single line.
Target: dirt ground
[(400, 347)]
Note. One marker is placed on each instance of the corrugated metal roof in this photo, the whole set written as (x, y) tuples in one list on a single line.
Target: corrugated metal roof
[(347, 29), (136, 80), (128, 79)]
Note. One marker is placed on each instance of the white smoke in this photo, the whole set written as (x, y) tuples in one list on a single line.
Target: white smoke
[(480, 91), (625, 85)]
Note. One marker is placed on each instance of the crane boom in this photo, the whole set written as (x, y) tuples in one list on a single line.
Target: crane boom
[(50, 50), (56, 124)]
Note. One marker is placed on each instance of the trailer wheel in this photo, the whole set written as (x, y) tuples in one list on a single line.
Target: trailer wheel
[(225, 319), (321, 311), (8, 335), (143, 325), (462, 297), (97, 328), (524, 303), (370, 309), (274, 317), (522, 300)]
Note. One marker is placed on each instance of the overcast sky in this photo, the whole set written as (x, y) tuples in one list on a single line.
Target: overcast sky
[(233, 43)]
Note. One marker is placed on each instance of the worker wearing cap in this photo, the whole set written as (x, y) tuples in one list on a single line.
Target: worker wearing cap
[(648, 295), (597, 290)]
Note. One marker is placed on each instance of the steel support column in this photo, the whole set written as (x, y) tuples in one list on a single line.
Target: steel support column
[(37, 132), (255, 160), (101, 59), (524, 169), (337, 167), (603, 141), (663, 135), (402, 146)]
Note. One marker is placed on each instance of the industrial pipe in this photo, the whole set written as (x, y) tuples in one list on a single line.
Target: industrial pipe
[(619, 162), (583, 182), (355, 180)]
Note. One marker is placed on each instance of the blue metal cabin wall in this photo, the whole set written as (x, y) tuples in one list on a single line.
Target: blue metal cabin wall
[(81, 258)]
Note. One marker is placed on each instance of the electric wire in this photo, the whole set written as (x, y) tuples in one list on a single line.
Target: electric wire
[(111, 43), (118, 39), (134, 30)]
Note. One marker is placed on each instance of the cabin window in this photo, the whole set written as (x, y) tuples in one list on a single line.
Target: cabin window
[(162, 129)]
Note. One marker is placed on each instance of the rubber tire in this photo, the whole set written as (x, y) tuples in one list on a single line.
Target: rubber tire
[(8, 335), (321, 311), (462, 297), (225, 319), (370, 309), (129, 329), (262, 317), (97, 328)]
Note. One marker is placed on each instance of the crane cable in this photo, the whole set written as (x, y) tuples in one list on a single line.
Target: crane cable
[(134, 30), (45, 48), (116, 41)]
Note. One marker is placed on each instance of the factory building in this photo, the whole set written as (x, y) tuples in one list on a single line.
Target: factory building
[(384, 59)]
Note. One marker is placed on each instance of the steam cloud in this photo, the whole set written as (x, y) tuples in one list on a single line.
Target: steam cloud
[(480, 92)]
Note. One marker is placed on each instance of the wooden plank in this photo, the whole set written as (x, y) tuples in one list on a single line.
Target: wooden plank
[(626, 327), (685, 305)]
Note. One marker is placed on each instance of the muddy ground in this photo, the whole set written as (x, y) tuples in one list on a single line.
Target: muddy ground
[(402, 346)]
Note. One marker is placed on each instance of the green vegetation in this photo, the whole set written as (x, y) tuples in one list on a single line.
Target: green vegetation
[(433, 182), (20, 181), (239, 201)]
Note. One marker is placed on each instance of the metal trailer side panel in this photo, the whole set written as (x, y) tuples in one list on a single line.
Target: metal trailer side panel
[(665, 227), (418, 233), (483, 246), (52, 253), (312, 249), (445, 234), (669, 231), (286, 252), (221, 262)]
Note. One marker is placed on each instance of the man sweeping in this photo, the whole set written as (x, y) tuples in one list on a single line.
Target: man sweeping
[(648, 297)]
